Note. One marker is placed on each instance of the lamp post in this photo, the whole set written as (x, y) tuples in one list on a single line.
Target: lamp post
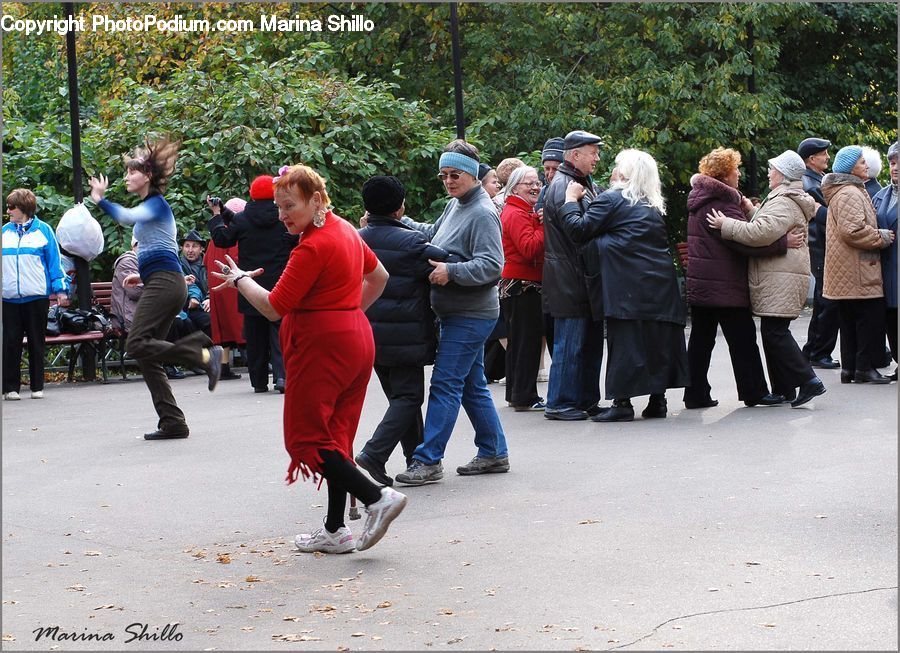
[(751, 88), (457, 71)]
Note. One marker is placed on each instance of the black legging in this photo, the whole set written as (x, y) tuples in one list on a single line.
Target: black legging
[(344, 477)]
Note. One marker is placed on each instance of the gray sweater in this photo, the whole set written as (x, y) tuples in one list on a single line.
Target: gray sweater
[(469, 230)]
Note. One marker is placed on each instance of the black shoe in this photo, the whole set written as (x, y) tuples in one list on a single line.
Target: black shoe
[(173, 372), (872, 376), (594, 410), (893, 377), (767, 400), (214, 366), (620, 411), (809, 390), (825, 363), (265, 389), (198, 371), (847, 376), (789, 396), (376, 470), (657, 407), (707, 403), (162, 434), (227, 374), (565, 414), (279, 385)]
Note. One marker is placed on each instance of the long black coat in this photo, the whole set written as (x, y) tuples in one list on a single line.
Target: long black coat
[(402, 320), (262, 240), (630, 272), (564, 290)]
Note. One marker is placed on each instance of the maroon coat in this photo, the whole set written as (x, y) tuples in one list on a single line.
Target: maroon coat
[(717, 269)]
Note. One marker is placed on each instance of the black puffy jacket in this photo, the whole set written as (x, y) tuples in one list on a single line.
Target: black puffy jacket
[(564, 289), (402, 320), (262, 240)]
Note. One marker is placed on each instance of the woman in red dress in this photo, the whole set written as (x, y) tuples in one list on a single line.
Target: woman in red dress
[(330, 279), (226, 322)]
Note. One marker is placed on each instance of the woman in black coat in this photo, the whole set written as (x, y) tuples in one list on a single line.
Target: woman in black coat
[(632, 284), (263, 242)]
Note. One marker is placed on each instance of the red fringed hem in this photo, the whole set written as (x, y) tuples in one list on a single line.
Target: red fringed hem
[(308, 462)]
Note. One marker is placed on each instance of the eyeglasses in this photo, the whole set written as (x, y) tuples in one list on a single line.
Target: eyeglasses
[(453, 175), (531, 184)]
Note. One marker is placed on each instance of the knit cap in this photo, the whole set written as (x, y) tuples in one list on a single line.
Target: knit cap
[(261, 188), (789, 164), (846, 159), (553, 150), (382, 195)]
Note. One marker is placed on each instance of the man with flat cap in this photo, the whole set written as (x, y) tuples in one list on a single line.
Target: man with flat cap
[(823, 326), (191, 260), (574, 387)]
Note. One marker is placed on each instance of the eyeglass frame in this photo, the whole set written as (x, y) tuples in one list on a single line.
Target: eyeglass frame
[(454, 176)]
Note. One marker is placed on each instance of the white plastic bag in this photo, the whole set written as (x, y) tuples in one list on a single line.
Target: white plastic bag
[(79, 233)]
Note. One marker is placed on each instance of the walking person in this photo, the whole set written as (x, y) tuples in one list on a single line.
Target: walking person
[(165, 291), (853, 266), (885, 203), (464, 297), (624, 243), (263, 242), (520, 288), (403, 324), (32, 275), (779, 285), (330, 278)]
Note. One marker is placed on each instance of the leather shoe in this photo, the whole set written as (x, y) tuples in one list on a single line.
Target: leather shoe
[(707, 403), (770, 399), (620, 411), (173, 372), (825, 363), (279, 385), (594, 410), (214, 366), (872, 376), (376, 470), (656, 408), (809, 390), (789, 396), (161, 434), (847, 376), (263, 389), (565, 414), (893, 377)]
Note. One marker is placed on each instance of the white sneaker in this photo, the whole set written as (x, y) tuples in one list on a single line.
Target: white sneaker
[(340, 541), (379, 516), (12, 396), (37, 394)]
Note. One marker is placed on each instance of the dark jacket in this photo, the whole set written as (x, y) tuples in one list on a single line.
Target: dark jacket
[(401, 318), (886, 214), (717, 268), (630, 271), (565, 290), (812, 184), (873, 188), (262, 240)]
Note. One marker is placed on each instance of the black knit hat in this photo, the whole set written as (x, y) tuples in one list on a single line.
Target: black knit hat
[(553, 150), (483, 169), (382, 195)]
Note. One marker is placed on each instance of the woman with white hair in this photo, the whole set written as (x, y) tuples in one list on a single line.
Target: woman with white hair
[(873, 161), (632, 284), (779, 285)]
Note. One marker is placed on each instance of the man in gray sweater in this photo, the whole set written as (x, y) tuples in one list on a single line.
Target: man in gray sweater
[(464, 297)]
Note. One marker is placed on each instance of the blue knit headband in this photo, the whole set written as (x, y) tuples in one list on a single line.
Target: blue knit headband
[(460, 162)]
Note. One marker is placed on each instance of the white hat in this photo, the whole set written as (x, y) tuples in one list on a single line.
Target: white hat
[(789, 164)]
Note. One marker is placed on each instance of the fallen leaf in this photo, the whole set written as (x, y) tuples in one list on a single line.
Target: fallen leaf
[(223, 558), (455, 640), (8, 637), (10, 602), (713, 589), (677, 627), (589, 521), (92, 553), (377, 637), (357, 634), (490, 592), (323, 608), (752, 564), (446, 611), (107, 606), (199, 554), (252, 579), (821, 516), (296, 637), (385, 604), (247, 629), (77, 588), (292, 618), (767, 625), (454, 542), (343, 648)]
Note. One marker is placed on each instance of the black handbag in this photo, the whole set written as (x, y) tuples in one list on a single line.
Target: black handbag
[(75, 321), (53, 321)]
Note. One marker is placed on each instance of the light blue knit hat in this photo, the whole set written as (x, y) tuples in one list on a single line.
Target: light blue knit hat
[(846, 159)]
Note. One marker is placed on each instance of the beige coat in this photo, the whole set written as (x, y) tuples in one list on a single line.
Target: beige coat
[(852, 240), (778, 284)]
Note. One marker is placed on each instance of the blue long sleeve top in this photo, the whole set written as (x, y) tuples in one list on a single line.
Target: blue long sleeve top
[(155, 231)]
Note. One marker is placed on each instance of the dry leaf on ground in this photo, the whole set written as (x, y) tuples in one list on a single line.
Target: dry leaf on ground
[(223, 558)]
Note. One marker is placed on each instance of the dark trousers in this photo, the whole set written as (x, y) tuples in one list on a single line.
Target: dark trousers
[(862, 333), (740, 334), (164, 294), (788, 367), (27, 319), (891, 321), (344, 478), (524, 330), (824, 323), (548, 333), (263, 346), (404, 388), (201, 320)]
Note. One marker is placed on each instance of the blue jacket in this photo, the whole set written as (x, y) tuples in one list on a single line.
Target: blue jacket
[(31, 263), (886, 214), (402, 319)]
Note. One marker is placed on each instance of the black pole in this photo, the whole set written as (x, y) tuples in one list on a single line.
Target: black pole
[(82, 269), (753, 181), (457, 72)]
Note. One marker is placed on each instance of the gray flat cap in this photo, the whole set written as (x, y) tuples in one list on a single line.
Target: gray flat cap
[(578, 138)]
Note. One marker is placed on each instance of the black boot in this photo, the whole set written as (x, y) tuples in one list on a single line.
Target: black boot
[(657, 407), (227, 374), (620, 411)]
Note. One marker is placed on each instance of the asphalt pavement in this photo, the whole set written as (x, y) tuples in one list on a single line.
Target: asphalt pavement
[(718, 529)]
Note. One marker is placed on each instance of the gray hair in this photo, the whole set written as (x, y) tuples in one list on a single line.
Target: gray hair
[(873, 160), (515, 178), (640, 179)]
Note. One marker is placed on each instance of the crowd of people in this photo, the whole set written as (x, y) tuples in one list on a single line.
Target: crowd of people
[(563, 262)]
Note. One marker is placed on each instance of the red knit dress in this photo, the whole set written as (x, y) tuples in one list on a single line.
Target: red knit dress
[(226, 321), (326, 342)]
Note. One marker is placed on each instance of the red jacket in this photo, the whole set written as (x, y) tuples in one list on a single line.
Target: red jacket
[(523, 240)]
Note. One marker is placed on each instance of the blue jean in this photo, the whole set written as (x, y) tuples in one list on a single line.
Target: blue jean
[(458, 378), (577, 359)]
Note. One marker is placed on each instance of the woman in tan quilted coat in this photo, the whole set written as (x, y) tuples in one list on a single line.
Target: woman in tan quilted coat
[(853, 266), (779, 284)]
